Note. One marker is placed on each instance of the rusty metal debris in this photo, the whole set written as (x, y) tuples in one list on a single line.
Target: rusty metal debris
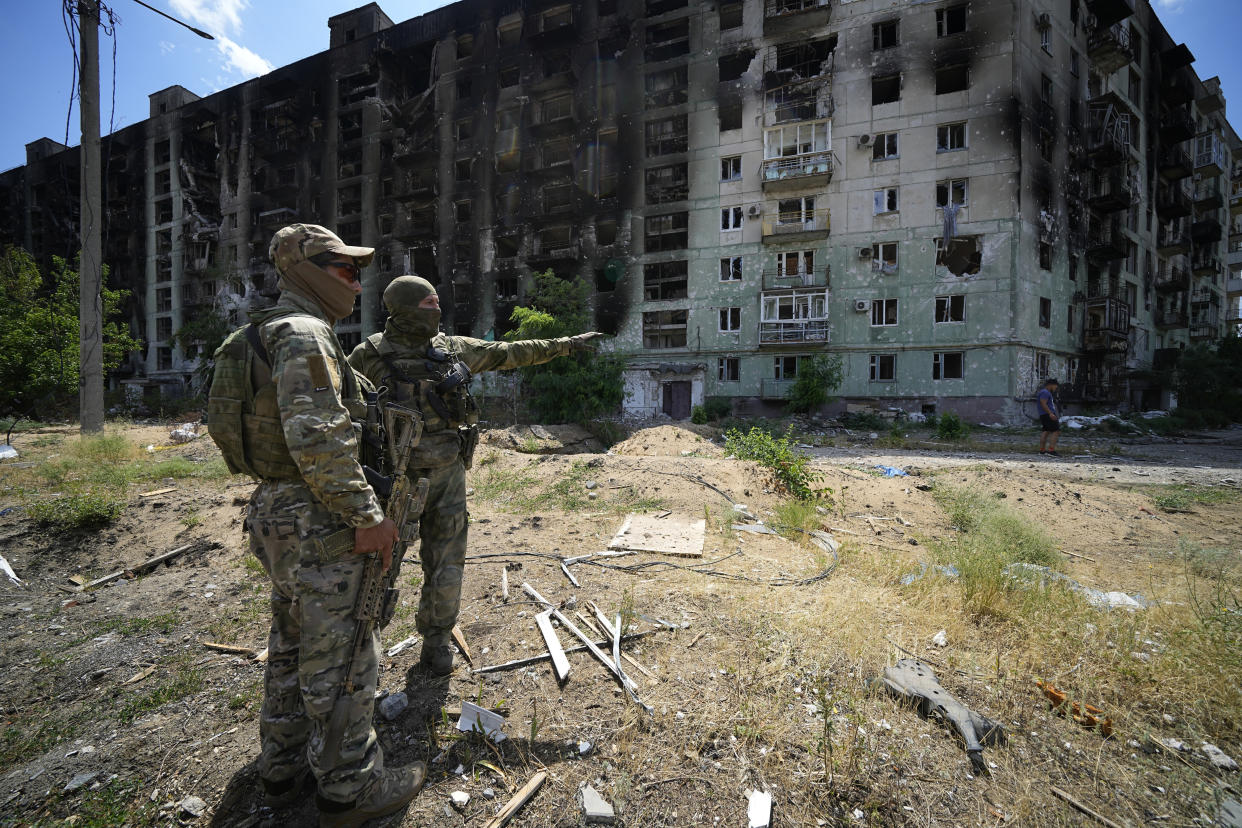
[(1083, 713)]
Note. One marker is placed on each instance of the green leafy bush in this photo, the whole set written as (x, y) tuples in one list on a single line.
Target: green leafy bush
[(575, 388), (86, 510), (949, 426), (863, 420), (789, 468), (818, 377), (712, 409)]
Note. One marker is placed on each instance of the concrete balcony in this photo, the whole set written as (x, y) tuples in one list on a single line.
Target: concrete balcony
[(1110, 192), (797, 171), (1205, 266), (1208, 195), (1172, 280), (1210, 155), (798, 225), (1109, 48), (1106, 242), (774, 389), (782, 16), (794, 332), (1172, 202), (1171, 318), (1174, 163), (1206, 230), (1172, 240), (1177, 126), (778, 279)]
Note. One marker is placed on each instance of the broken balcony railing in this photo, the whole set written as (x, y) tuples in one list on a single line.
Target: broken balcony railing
[(793, 332), (799, 166), (780, 8), (779, 278), (797, 221)]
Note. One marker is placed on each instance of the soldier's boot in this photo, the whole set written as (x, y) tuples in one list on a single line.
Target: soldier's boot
[(390, 791), (285, 792), (436, 659)]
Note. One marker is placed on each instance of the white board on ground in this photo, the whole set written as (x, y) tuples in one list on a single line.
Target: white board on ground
[(670, 536), (559, 663), (475, 719)]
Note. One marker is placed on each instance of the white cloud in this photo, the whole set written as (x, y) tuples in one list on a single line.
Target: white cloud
[(1170, 6), (167, 48), (238, 58), (217, 16)]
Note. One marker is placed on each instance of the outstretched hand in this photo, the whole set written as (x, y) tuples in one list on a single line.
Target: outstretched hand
[(588, 341)]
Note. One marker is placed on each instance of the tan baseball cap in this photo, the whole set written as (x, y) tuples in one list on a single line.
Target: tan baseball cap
[(300, 242)]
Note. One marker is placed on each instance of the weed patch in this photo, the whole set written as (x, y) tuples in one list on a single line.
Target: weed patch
[(186, 680), (1182, 497), (112, 805), (85, 510), (19, 743), (991, 538), (790, 469)]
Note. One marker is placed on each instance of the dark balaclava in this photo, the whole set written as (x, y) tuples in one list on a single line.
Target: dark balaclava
[(291, 251), (408, 324)]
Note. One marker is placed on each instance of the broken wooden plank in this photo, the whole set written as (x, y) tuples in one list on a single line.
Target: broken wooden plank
[(569, 625), (560, 664), (576, 558), (151, 563), (455, 712), (670, 536), (460, 638), (248, 652), (1075, 804), (158, 492), (106, 579), (588, 623), (519, 799), (262, 656), (78, 580), (504, 584), (569, 575), (577, 648), (139, 676)]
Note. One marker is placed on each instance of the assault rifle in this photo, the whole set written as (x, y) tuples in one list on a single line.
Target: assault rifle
[(378, 594)]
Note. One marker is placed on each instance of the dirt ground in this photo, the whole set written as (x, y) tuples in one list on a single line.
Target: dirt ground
[(762, 686)]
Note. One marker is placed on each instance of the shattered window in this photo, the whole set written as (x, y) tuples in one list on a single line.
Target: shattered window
[(885, 89), (785, 367), (665, 329), (950, 137), (950, 21), (885, 146), (947, 365), (730, 218), (508, 76), (1045, 312), (884, 35), (664, 280), (883, 313), (884, 257), (730, 320), (727, 369), (883, 367), (951, 191), (731, 269), (731, 168), (951, 308), (885, 201), (952, 79)]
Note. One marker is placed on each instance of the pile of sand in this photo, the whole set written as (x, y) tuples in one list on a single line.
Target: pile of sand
[(667, 441)]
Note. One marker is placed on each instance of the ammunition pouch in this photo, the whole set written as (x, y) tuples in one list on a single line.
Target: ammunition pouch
[(469, 437)]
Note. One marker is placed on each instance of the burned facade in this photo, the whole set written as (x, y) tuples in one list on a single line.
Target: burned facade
[(958, 199)]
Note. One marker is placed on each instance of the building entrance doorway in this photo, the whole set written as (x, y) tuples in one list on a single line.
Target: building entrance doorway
[(676, 399)]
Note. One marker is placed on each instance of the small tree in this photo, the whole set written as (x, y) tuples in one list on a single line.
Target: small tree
[(818, 377), (39, 356), (200, 337), (576, 388)]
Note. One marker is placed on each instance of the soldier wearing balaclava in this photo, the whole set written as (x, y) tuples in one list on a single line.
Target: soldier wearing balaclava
[(431, 371)]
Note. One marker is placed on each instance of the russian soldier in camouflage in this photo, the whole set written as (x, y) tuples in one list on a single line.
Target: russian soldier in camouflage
[(312, 488), (431, 371)]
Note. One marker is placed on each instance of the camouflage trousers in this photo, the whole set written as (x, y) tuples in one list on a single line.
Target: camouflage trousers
[(442, 550), (311, 636)]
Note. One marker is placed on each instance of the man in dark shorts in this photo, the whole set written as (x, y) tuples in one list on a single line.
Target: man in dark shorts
[(1049, 418)]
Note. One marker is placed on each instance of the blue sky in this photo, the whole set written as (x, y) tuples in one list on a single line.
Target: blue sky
[(255, 35)]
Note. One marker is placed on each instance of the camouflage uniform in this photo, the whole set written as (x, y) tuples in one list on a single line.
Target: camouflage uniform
[(313, 590), (400, 362)]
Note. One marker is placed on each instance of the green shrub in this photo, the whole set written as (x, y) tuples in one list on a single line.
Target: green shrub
[(949, 426), (818, 377), (698, 415), (85, 510), (789, 468)]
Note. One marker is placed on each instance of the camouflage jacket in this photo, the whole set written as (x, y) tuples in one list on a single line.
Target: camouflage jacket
[(378, 355), (306, 367)]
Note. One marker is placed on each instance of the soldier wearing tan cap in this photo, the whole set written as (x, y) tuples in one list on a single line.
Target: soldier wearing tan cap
[(298, 399)]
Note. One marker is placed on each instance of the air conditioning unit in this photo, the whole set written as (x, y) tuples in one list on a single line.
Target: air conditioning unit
[(864, 140), (862, 305), (865, 252), (754, 211)]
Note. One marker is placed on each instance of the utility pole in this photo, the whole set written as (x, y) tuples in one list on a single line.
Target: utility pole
[(90, 269)]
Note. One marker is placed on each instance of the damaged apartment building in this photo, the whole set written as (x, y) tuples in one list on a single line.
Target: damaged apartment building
[(957, 198)]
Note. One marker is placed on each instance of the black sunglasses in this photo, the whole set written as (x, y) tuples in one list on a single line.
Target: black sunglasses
[(354, 270)]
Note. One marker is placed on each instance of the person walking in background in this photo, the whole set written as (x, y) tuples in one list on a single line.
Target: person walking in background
[(1049, 418)]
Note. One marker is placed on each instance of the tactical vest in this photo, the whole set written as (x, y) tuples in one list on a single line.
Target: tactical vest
[(437, 383), (242, 415)]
